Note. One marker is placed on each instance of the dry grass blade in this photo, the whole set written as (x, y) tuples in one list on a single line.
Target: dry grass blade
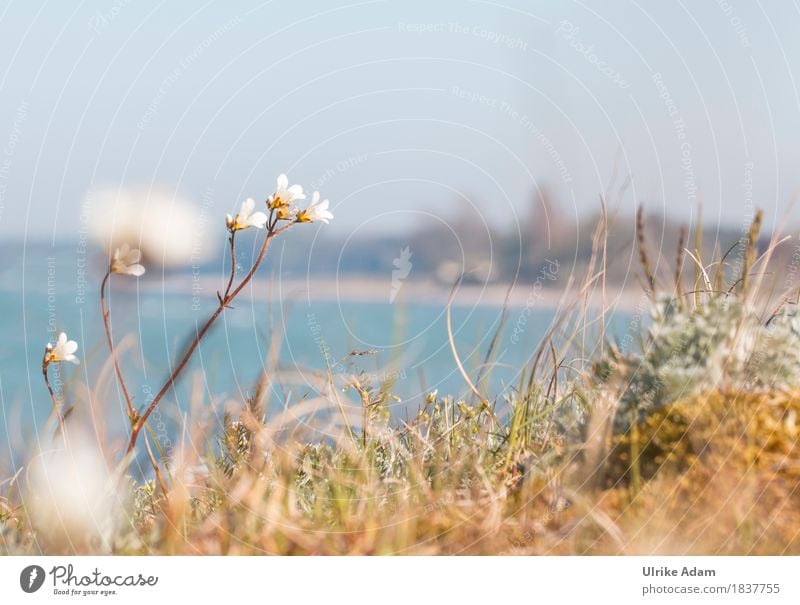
[(682, 234), (751, 248), (160, 478), (454, 350), (702, 271), (643, 258)]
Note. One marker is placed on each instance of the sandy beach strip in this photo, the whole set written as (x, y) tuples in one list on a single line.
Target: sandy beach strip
[(367, 289)]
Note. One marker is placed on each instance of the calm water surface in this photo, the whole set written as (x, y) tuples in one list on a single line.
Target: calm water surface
[(52, 290)]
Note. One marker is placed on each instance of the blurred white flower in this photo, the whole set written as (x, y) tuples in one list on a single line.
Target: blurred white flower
[(63, 350), (169, 230), (126, 261), (247, 218), (285, 196), (72, 498), (316, 211)]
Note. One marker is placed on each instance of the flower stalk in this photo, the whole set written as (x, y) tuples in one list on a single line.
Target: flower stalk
[(132, 413), (63, 350), (224, 299), (124, 261), (56, 404)]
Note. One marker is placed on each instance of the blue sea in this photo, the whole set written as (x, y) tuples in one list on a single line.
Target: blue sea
[(48, 289)]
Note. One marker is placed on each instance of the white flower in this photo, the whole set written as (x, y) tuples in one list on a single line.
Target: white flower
[(126, 261), (167, 228), (72, 498), (316, 211), (63, 350), (284, 195), (247, 218)]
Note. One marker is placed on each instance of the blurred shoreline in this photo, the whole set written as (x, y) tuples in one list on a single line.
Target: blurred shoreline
[(369, 289)]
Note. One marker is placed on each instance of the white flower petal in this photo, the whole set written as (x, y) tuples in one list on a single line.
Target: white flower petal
[(133, 257), (295, 192), (258, 219), (247, 207)]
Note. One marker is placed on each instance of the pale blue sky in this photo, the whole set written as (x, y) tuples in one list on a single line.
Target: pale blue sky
[(399, 105)]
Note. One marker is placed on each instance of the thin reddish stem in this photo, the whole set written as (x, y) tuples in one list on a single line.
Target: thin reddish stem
[(233, 264), (56, 406), (132, 413), (223, 303)]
